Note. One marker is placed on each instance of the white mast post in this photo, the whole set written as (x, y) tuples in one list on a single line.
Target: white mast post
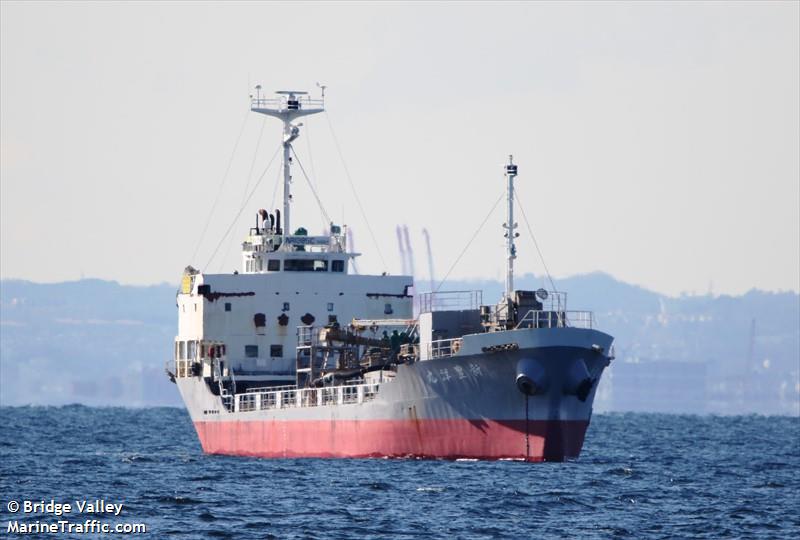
[(288, 137), (286, 108), (509, 225)]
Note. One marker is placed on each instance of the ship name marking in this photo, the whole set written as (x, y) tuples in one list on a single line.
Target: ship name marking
[(460, 372), (444, 375)]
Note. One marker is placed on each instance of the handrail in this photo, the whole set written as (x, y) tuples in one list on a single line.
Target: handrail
[(444, 347), (270, 389), (282, 103), (262, 389), (290, 397), (224, 395), (556, 319), (450, 301)]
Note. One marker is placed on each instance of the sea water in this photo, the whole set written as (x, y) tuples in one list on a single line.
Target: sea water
[(639, 476)]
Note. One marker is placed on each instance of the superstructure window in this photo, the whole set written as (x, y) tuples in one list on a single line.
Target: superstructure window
[(337, 266), (285, 306), (330, 306), (387, 309), (251, 351), (227, 306), (276, 351), (305, 265), (274, 265)]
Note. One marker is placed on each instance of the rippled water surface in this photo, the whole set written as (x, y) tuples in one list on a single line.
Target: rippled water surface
[(640, 476)]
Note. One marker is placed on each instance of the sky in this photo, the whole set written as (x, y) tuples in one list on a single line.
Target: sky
[(657, 142)]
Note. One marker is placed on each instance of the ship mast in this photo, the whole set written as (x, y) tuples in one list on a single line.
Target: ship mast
[(509, 225), (288, 106)]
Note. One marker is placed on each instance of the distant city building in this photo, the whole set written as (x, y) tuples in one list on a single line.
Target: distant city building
[(663, 386)]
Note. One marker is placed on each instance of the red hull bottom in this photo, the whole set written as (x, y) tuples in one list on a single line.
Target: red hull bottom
[(535, 440)]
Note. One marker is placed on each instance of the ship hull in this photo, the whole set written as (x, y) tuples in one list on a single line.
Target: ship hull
[(485, 439), (466, 406)]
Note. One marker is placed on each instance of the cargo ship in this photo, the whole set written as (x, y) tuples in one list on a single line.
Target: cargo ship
[(297, 355)]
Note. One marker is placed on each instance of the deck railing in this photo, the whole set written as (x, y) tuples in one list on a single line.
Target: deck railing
[(556, 319), (183, 368), (282, 103), (449, 301), (444, 347), (261, 399)]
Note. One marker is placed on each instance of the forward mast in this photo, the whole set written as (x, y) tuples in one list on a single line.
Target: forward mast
[(510, 226)]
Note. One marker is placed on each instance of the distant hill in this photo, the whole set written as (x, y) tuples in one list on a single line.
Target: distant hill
[(101, 343), (596, 291), (90, 341)]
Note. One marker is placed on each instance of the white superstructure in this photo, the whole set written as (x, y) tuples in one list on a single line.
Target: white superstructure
[(288, 279)]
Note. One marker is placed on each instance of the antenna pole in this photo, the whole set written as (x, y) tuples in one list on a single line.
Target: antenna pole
[(287, 173), (511, 248)]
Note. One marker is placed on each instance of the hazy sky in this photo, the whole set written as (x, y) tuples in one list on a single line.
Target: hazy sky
[(656, 142)]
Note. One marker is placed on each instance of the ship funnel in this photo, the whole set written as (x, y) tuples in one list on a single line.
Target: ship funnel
[(578, 382), (531, 377)]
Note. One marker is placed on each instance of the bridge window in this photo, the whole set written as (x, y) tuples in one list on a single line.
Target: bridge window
[(276, 351), (274, 265), (337, 266), (251, 351), (305, 265)]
